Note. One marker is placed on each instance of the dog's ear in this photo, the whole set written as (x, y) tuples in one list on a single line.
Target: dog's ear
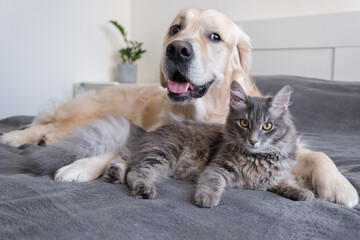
[(163, 81), (244, 49)]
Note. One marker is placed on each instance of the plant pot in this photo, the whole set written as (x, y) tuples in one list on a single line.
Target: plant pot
[(127, 73)]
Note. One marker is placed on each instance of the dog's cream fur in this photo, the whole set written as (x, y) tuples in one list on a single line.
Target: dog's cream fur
[(149, 107)]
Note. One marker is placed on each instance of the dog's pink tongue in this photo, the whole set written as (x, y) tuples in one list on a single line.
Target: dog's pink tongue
[(177, 87)]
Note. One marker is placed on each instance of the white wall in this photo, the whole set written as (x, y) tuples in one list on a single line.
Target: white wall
[(325, 46), (150, 19), (47, 45)]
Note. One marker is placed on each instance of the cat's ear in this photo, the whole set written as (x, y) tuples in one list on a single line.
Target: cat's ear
[(282, 98), (237, 94)]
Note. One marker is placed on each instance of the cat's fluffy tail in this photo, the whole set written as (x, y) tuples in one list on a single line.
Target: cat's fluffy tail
[(100, 137)]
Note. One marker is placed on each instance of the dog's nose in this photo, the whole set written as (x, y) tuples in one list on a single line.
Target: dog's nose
[(179, 51)]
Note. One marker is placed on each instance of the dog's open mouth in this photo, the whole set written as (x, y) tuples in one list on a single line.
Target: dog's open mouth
[(181, 90)]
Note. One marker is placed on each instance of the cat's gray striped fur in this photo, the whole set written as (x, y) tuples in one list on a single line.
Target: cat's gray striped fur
[(218, 156)]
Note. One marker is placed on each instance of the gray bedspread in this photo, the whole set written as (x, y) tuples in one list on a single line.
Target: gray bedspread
[(327, 115)]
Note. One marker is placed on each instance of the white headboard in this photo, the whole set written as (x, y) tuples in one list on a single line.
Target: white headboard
[(320, 46)]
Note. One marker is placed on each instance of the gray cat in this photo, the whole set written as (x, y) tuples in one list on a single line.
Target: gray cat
[(255, 149)]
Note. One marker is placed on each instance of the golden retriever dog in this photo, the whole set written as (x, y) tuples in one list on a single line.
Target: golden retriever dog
[(203, 52)]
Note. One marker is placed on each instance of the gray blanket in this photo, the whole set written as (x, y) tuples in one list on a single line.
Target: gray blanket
[(327, 115)]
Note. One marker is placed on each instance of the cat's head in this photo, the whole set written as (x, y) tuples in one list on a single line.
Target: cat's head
[(261, 124)]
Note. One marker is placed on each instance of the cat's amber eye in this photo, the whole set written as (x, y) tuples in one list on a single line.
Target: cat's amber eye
[(267, 126), (244, 123)]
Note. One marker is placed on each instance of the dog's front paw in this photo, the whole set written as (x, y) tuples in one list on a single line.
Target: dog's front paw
[(207, 199), (337, 189), (144, 190)]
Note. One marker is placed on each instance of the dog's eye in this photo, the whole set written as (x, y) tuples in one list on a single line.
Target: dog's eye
[(215, 37), (174, 29)]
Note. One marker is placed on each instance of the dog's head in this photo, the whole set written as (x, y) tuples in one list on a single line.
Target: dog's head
[(202, 49)]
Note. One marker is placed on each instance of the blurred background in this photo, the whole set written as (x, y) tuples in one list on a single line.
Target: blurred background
[(47, 46)]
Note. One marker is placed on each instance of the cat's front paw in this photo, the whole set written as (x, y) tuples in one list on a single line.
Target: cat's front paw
[(206, 199), (115, 173), (143, 190), (305, 195)]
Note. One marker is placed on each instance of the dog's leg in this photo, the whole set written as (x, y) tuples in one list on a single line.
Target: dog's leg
[(84, 170), (316, 171)]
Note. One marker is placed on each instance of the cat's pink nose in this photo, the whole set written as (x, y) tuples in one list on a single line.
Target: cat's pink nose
[(252, 142)]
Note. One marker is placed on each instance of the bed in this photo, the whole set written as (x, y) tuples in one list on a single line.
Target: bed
[(327, 116)]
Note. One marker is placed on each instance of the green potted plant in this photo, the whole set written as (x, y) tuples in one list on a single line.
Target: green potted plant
[(127, 70)]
